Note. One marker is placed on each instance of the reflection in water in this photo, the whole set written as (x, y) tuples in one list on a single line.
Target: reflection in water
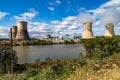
[(28, 54)]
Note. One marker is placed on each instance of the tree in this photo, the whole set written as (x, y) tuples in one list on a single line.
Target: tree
[(5, 58)]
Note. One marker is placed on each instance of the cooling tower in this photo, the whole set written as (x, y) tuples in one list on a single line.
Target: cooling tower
[(14, 32), (109, 30), (87, 30), (22, 33)]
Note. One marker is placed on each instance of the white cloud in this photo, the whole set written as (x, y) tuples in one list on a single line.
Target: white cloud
[(111, 16), (58, 1), (55, 22), (51, 3), (32, 10), (68, 25), (85, 17), (97, 23), (27, 15), (3, 14), (37, 28), (108, 12), (70, 18), (51, 8), (4, 32), (112, 3)]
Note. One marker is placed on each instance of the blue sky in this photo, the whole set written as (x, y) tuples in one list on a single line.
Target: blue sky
[(58, 17)]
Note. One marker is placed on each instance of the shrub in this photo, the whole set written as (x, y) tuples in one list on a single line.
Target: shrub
[(31, 73), (99, 48), (66, 42), (40, 42), (35, 42), (5, 58), (25, 43)]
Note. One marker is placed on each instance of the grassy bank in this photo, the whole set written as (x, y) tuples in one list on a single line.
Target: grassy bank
[(102, 62), (79, 69)]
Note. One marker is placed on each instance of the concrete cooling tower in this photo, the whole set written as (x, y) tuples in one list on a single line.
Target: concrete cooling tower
[(14, 32), (22, 33), (87, 30), (109, 30)]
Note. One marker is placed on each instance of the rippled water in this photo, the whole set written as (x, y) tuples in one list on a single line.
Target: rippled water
[(29, 54)]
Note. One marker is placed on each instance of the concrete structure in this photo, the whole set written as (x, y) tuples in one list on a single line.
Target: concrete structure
[(14, 32), (109, 30), (47, 36), (87, 30), (22, 33), (67, 37)]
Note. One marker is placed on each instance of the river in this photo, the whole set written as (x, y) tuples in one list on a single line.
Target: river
[(29, 54)]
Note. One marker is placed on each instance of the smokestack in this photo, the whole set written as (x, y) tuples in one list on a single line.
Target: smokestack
[(109, 30), (14, 32), (22, 33), (87, 30)]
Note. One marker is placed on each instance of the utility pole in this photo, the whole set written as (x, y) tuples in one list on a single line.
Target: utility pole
[(11, 53)]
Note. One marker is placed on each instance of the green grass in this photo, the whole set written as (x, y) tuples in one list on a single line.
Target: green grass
[(79, 69)]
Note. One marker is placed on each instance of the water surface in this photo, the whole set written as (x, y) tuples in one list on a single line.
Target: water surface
[(29, 54)]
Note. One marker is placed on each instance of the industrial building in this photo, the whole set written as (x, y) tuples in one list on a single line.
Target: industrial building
[(20, 32)]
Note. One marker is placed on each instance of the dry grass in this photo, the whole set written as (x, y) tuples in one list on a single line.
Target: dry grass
[(108, 71), (108, 74)]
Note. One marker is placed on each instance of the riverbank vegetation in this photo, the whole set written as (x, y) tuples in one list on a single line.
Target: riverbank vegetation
[(26, 43), (101, 47), (44, 42), (38, 42), (102, 62)]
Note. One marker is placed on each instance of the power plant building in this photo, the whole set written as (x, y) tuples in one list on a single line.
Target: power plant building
[(20, 32)]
